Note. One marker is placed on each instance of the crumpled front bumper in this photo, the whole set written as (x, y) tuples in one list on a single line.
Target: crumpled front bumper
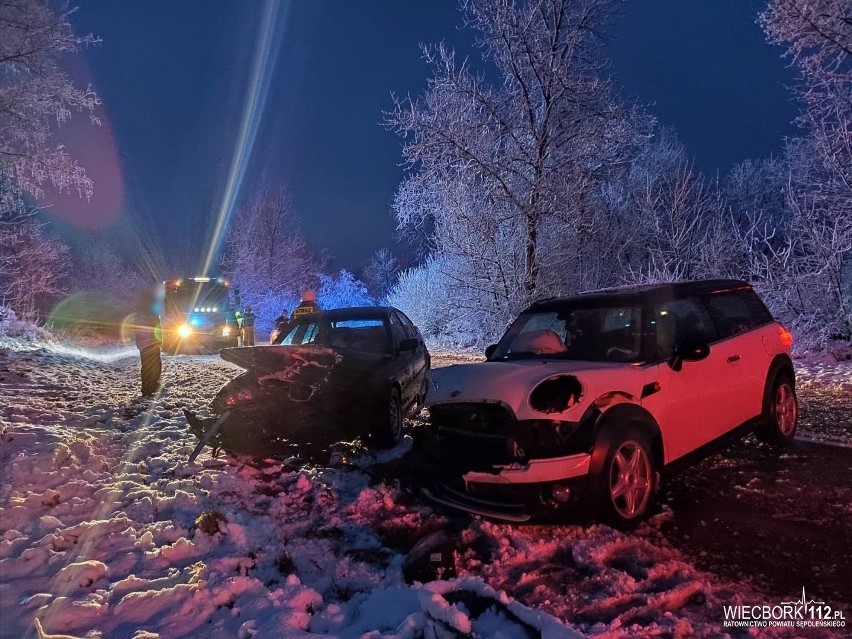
[(486, 463)]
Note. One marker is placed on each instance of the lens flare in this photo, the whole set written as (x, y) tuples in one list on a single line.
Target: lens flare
[(273, 22)]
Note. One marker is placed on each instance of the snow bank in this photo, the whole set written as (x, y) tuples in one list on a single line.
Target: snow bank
[(823, 371)]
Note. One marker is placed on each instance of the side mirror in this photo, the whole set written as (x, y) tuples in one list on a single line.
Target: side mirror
[(490, 351), (409, 344), (688, 352)]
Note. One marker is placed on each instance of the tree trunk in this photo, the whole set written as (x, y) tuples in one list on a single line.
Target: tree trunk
[(531, 266)]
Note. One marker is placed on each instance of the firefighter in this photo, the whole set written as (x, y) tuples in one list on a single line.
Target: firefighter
[(307, 305), (148, 335), (248, 327)]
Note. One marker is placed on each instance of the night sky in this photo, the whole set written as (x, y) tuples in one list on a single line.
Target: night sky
[(173, 78)]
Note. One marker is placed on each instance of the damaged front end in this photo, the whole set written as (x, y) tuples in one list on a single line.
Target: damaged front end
[(490, 463), (289, 397)]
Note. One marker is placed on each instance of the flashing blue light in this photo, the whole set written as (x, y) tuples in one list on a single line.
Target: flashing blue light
[(194, 321)]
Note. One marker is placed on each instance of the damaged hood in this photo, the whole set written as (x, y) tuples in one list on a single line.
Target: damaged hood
[(272, 359), (510, 383)]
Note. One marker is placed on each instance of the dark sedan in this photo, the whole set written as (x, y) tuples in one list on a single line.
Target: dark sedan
[(331, 376)]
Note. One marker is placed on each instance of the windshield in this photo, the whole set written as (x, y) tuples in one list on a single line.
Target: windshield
[(369, 335), (602, 334)]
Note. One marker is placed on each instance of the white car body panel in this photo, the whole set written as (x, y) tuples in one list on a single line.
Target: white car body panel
[(510, 384)]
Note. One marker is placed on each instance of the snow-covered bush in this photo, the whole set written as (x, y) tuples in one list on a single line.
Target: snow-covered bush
[(448, 313), (20, 330), (33, 266), (343, 290)]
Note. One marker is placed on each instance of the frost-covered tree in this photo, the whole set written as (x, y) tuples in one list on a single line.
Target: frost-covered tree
[(33, 267), (100, 268), (508, 173), (818, 38), (444, 311), (342, 290), (36, 96), (381, 273), (266, 254)]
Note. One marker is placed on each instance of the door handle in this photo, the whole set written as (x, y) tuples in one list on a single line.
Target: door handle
[(733, 358)]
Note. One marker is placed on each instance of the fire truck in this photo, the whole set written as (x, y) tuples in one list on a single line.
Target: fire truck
[(199, 315)]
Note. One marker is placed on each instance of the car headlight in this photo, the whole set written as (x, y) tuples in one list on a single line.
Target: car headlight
[(185, 330), (226, 331)]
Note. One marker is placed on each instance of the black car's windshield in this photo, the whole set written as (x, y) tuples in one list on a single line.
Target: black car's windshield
[(599, 334), (369, 335)]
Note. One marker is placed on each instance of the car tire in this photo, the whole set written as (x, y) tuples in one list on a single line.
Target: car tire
[(780, 411), (389, 431), (626, 482)]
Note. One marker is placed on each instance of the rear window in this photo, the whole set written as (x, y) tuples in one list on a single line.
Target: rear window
[(362, 334), (368, 335), (736, 312)]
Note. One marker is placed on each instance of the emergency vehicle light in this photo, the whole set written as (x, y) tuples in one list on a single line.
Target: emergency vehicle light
[(201, 279)]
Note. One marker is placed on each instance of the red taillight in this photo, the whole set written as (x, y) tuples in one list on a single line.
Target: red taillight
[(239, 397), (785, 336)]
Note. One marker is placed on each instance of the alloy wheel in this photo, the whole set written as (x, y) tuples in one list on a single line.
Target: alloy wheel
[(395, 419), (630, 480), (786, 410)]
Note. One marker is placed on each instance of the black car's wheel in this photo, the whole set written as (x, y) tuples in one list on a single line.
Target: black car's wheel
[(627, 480), (780, 411), (388, 432)]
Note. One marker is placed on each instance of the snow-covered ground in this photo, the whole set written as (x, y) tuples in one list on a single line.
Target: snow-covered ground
[(107, 531)]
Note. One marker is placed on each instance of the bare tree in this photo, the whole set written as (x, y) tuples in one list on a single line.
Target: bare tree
[(36, 96)]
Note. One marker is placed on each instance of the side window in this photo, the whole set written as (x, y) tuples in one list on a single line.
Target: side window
[(305, 333), (410, 329), (736, 312), (397, 329), (680, 321)]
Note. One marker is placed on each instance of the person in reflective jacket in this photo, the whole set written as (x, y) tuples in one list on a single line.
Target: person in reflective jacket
[(307, 305)]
